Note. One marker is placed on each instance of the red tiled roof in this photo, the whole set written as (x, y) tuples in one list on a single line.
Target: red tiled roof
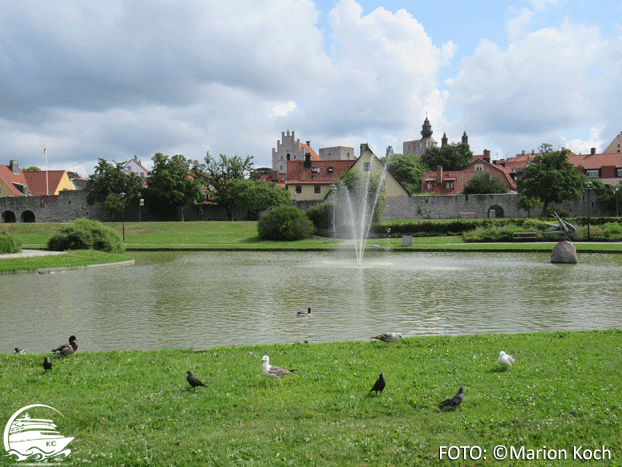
[(7, 175), (37, 181), (274, 176), (298, 175), (462, 177), (596, 161), (309, 149)]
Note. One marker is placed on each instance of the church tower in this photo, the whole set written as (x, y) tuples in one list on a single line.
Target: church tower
[(465, 138)]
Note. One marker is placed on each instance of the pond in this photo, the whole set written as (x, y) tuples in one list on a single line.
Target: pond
[(200, 300)]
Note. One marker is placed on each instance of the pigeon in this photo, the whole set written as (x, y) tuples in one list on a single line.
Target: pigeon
[(19, 351), (67, 349), (454, 401), (304, 313), (47, 364), (505, 359), (193, 380), (388, 337), (272, 371), (379, 384)]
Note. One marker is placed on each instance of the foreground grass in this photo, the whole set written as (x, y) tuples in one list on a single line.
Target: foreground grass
[(133, 407), (71, 259)]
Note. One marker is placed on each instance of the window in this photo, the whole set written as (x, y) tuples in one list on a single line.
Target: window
[(593, 173), (315, 170), (619, 173), (288, 157), (430, 185), (366, 166), (317, 189), (449, 185), (298, 189), (479, 167), (330, 169)]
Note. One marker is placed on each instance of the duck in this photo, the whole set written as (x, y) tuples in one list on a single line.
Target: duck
[(304, 313), (19, 351), (67, 349)]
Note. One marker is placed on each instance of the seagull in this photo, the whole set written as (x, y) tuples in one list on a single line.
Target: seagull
[(67, 349), (193, 380), (272, 371), (505, 359), (454, 401), (304, 313), (379, 384), (388, 337), (47, 364), (19, 351)]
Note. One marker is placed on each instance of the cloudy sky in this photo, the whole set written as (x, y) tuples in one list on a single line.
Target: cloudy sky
[(119, 78)]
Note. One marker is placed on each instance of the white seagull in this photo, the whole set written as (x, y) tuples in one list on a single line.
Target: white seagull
[(272, 371), (388, 337), (505, 359)]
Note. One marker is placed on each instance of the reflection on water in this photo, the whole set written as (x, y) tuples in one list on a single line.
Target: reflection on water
[(200, 300)]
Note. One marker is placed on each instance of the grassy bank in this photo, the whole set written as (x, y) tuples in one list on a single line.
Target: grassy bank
[(133, 407), (71, 259)]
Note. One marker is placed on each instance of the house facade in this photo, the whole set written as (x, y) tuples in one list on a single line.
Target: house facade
[(47, 182)]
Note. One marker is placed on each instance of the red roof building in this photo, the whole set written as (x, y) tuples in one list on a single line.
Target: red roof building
[(312, 179), (50, 182), (15, 183)]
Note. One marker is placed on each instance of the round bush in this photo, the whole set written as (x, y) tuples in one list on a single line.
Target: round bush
[(321, 216), (284, 223), (83, 234), (9, 243)]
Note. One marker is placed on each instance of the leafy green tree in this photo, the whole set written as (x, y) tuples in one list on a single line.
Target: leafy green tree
[(355, 182), (528, 204), (218, 175), (485, 183), (608, 195), (550, 178), (108, 182), (32, 168), (451, 157), (406, 169), (173, 183), (254, 196)]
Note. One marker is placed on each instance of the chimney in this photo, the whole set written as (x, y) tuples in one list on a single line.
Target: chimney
[(439, 174), (593, 151), (14, 167), (487, 155), (364, 148), (307, 163), (523, 152), (309, 143)]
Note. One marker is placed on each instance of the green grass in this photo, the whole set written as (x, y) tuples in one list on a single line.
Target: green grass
[(133, 407), (71, 259)]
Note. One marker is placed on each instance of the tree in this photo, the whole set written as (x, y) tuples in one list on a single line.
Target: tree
[(285, 223), (108, 182), (450, 157), (550, 178), (608, 195), (32, 168), (254, 196), (218, 175), (173, 184), (485, 183), (406, 169), (355, 183)]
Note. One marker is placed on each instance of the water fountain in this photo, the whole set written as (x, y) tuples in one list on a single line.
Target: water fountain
[(355, 204)]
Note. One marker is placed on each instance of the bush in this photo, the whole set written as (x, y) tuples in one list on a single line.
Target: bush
[(284, 223), (9, 243), (321, 216), (83, 234)]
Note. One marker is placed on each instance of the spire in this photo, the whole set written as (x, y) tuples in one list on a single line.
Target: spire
[(465, 138), (426, 132), (444, 140)]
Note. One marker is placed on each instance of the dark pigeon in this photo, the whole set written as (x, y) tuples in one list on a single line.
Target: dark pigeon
[(454, 401), (67, 349), (47, 363), (193, 380), (19, 351), (379, 384)]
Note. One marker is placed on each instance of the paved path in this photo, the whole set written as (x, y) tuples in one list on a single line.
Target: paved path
[(29, 253)]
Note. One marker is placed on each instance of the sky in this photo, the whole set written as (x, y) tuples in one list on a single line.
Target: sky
[(124, 78)]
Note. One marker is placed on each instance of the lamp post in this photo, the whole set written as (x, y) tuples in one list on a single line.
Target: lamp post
[(123, 213), (140, 204), (588, 185)]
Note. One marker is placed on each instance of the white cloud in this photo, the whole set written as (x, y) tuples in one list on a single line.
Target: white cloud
[(579, 146), (516, 27)]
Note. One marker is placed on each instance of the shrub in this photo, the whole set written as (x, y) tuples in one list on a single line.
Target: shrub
[(321, 216), (83, 234), (284, 223), (9, 243)]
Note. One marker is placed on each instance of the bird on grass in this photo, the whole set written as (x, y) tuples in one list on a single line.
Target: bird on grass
[(67, 349), (273, 371), (304, 313), (505, 359), (194, 381), (453, 401), (379, 384), (47, 364), (388, 337), (19, 351)]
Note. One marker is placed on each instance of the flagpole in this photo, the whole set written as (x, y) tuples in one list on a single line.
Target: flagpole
[(47, 190)]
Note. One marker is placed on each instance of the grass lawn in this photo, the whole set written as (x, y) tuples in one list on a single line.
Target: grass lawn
[(71, 259), (134, 407)]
